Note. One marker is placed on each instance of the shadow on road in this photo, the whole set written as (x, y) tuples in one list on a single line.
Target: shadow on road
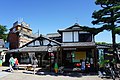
[(70, 74)]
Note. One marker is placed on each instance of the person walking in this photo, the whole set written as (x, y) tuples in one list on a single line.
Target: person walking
[(11, 63), (16, 63), (34, 63)]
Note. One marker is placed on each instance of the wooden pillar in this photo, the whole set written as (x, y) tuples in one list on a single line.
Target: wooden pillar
[(57, 54), (60, 56), (95, 55)]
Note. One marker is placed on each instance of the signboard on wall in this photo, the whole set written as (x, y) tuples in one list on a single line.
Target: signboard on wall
[(77, 56), (69, 48), (80, 55)]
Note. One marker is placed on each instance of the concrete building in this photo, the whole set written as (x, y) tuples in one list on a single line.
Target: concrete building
[(20, 34)]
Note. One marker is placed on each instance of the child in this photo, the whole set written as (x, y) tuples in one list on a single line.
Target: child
[(16, 63)]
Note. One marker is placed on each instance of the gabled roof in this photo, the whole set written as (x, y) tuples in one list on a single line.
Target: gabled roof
[(38, 48), (41, 37), (75, 27)]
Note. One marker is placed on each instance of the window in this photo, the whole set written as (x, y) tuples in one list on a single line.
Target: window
[(67, 37), (75, 36), (85, 37)]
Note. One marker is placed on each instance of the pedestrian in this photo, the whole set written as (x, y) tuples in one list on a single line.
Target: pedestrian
[(11, 63), (16, 63), (34, 63)]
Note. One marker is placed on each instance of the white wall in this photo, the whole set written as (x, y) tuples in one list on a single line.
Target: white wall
[(67, 37)]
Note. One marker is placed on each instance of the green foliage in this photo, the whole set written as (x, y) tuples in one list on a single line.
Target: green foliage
[(106, 2), (117, 30), (3, 35), (94, 31), (109, 12), (101, 43), (108, 16)]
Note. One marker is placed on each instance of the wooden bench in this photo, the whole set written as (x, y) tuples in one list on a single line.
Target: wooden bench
[(25, 66)]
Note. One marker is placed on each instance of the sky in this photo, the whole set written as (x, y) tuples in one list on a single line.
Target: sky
[(48, 16)]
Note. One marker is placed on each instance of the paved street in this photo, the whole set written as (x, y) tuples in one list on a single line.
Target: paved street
[(28, 75), (23, 76), (3, 74)]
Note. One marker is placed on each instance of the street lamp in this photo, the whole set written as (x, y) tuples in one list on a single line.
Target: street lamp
[(49, 52)]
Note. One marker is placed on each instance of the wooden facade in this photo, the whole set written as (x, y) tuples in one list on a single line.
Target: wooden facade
[(71, 45), (77, 45), (38, 47)]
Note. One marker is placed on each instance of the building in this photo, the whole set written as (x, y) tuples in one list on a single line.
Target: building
[(3, 50), (44, 48), (55, 36), (69, 46), (77, 45), (20, 34)]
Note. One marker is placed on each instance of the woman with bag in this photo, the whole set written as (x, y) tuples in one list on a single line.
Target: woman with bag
[(12, 62)]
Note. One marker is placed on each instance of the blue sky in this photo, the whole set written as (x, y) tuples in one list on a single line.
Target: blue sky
[(48, 16)]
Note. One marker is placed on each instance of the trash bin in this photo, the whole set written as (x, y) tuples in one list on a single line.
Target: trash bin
[(0, 62)]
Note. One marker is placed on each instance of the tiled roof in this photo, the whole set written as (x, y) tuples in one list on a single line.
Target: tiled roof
[(33, 49), (75, 27), (102, 47), (78, 44), (53, 35), (37, 49)]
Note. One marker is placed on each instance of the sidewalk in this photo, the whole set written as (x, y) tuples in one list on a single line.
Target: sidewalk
[(3, 68), (28, 75)]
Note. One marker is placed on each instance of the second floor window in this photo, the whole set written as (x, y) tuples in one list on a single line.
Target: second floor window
[(85, 37)]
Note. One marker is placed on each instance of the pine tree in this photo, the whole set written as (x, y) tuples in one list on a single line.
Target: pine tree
[(109, 17)]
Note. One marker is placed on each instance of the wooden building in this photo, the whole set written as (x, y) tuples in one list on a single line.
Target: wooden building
[(69, 46), (77, 45), (45, 49)]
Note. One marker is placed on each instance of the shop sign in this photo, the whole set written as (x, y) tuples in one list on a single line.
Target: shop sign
[(69, 48)]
